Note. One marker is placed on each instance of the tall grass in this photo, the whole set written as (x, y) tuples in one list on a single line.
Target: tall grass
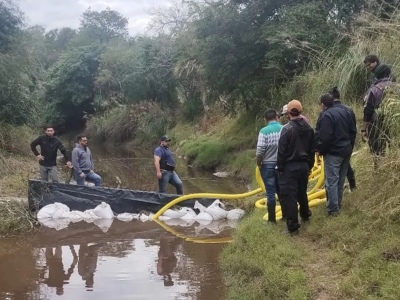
[(141, 121)]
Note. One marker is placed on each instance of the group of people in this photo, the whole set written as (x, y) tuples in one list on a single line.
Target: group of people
[(82, 165), (82, 160), (286, 154)]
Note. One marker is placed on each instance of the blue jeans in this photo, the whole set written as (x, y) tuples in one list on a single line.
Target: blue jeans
[(269, 176), (335, 175), (172, 178), (95, 178)]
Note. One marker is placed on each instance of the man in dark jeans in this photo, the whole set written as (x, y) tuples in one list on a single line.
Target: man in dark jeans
[(296, 155), (267, 149), (49, 146), (337, 134), (164, 163)]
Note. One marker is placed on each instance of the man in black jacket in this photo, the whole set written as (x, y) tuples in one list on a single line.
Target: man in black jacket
[(49, 145), (296, 155), (336, 138)]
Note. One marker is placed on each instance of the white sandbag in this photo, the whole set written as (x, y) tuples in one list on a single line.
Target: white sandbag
[(202, 225), (199, 206), (126, 217), (60, 206), (164, 218), (104, 224), (232, 223), (216, 210), (57, 224), (47, 211), (175, 222), (144, 217), (189, 215), (61, 214), (104, 211), (174, 214), (89, 216), (76, 216), (235, 214), (204, 217)]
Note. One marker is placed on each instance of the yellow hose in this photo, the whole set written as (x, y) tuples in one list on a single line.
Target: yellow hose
[(314, 195)]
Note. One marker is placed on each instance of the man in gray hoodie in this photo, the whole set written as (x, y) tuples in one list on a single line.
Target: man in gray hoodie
[(82, 162)]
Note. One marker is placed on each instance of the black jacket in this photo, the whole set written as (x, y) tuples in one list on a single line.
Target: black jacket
[(336, 131), (296, 144), (48, 149)]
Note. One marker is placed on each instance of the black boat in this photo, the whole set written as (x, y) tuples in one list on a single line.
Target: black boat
[(82, 198)]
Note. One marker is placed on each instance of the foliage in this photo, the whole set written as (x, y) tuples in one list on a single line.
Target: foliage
[(142, 121), (71, 86)]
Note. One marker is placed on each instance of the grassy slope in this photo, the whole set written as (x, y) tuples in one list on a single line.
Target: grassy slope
[(353, 256)]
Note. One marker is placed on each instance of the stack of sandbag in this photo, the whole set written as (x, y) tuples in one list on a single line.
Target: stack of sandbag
[(58, 216), (215, 212)]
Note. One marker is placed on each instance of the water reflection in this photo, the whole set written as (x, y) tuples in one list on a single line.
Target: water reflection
[(166, 257), (57, 277), (131, 261)]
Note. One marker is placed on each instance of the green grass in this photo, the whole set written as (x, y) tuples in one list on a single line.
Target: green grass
[(262, 263), (15, 218)]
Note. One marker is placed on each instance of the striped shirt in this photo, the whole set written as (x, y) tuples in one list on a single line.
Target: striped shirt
[(268, 138)]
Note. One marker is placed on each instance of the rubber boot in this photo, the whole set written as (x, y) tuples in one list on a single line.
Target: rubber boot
[(271, 213)]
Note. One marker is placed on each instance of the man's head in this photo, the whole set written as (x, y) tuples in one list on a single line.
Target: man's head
[(294, 109), (335, 93), (382, 71), (165, 141), (326, 101), (371, 61), (49, 130), (82, 140), (270, 115)]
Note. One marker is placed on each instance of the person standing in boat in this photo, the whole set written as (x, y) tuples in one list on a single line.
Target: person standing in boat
[(82, 161), (164, 163), (49, 146)]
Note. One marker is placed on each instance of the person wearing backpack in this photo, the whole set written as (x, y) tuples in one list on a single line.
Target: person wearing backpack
[(373, 129), (164, 163)]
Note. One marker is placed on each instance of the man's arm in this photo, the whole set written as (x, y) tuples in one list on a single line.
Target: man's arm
[(64, 152), (34, 144), (91, 161), (325, 135), (157, 165), (261, 148), (283, 144), (75, 161), (353, 129), (311, 151)]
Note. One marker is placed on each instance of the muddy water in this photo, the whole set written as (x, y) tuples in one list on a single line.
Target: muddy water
[(133, 260)]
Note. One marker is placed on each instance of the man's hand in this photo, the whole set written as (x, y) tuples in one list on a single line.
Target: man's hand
[(40, 157), (91, 171), (364, 136), (82, 175), (69, 164), (159, 175)]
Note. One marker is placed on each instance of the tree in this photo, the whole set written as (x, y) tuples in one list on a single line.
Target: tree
[(105, 25), (10, 23), (71, 87)]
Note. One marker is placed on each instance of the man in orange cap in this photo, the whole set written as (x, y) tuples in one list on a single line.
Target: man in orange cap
[(296, 150)]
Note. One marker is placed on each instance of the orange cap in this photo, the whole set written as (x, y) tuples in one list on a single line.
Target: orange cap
[(295, 106)]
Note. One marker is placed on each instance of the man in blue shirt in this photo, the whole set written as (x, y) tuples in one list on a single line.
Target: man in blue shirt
[(164, 163)]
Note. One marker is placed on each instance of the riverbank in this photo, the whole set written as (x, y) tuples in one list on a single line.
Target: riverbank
[(353, 256)]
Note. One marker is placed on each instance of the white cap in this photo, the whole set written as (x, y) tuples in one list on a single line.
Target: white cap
[(284, 109)]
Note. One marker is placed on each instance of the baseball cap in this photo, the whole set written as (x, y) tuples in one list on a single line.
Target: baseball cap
[(295, 106), (165, 138)]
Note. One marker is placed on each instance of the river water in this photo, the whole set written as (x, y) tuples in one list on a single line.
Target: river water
[(131, 260)]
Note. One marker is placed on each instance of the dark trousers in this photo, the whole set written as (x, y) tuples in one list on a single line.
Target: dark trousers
[(293, 183), (351, 178)]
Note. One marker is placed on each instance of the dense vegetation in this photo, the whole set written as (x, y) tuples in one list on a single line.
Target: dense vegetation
[(236, 53)]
